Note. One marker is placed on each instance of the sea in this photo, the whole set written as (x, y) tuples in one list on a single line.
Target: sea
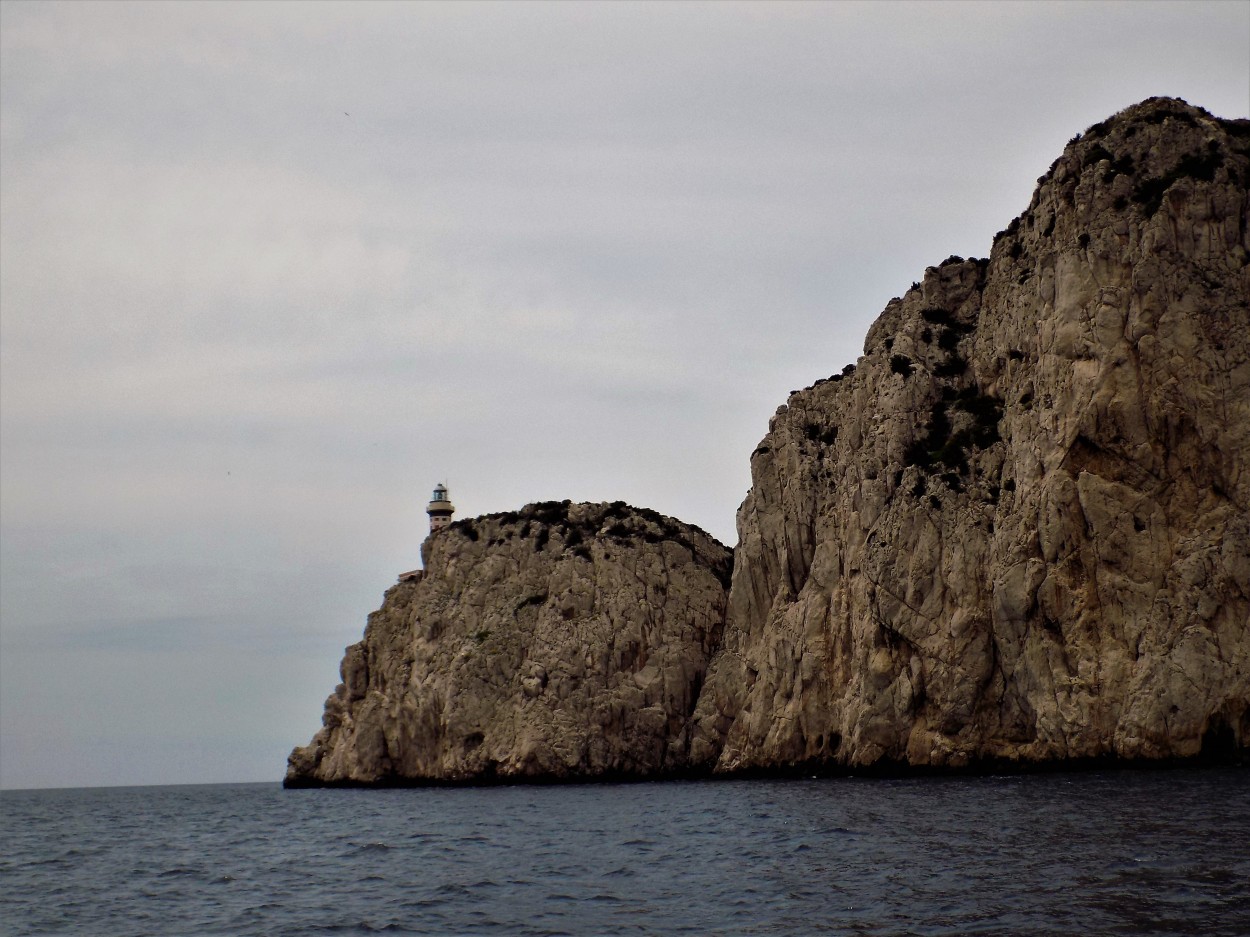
[(1098, 853)]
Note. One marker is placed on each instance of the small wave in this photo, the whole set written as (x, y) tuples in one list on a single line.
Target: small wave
[(428, 902), (55, 862), (837, 831), (369, 927)]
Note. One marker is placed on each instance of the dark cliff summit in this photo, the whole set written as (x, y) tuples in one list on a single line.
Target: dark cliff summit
[(1016, 531)]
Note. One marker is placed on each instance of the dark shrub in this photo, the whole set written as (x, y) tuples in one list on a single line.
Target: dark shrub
[(901, 364), (1095, 154), (536, 599), (815, 433), (935, 316), (1201, 166), (940, 446), (917, 453)]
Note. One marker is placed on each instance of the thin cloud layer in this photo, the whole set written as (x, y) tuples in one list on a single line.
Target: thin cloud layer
[(270, 271)]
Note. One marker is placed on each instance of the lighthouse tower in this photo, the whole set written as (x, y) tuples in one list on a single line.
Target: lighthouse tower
[(440, 509)]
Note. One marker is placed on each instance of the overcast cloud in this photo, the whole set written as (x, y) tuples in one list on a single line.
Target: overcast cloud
[(270, 272)]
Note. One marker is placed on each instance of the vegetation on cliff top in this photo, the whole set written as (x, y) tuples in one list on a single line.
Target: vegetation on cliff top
[(575, 526)]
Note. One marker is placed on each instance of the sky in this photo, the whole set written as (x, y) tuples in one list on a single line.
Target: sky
[(269, 272)]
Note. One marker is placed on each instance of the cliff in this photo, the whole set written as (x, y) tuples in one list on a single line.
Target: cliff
[(560, 641), (1017, 530)]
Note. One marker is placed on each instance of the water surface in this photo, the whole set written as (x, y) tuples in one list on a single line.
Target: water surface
[(1141, 852)]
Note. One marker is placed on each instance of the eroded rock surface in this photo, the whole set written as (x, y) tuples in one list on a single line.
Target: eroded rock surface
[(1017, 530), (563, 640), (1020, 529)]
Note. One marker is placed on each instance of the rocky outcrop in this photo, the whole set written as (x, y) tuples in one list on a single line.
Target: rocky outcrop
[(1019, 528), (1016, 531), (561, 641)]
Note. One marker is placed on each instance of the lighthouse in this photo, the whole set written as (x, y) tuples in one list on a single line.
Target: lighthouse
[(440, 509)]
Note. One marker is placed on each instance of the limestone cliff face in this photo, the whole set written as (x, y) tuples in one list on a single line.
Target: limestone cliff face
[(564, 640), (1019, 528)]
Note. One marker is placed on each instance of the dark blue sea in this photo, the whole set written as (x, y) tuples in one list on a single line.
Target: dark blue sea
[(1144, 852)]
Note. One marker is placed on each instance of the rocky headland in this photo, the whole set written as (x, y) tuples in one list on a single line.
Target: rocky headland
[(1016, 531), (562, 641)]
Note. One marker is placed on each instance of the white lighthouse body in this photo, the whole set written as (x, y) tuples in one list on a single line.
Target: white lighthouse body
[(440, 509)]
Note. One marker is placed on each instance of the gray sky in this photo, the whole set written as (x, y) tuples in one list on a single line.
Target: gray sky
[(268, 273)]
